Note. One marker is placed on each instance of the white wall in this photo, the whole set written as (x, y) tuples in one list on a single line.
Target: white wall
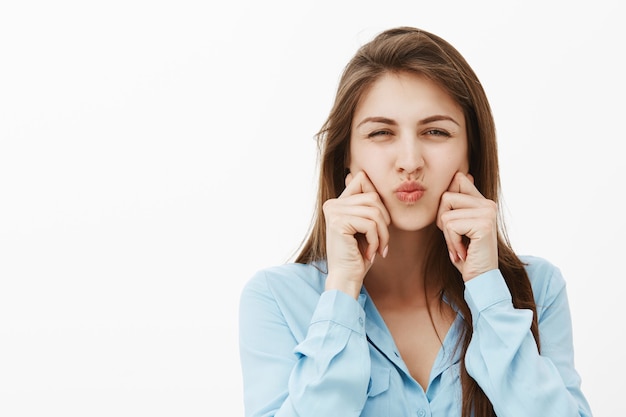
[(154, 154)]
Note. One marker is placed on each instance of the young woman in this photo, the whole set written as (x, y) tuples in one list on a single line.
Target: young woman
[(406, 298)]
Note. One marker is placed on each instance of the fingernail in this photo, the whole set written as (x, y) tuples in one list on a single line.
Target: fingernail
[(372, 258), (385, 251), (451, 256)]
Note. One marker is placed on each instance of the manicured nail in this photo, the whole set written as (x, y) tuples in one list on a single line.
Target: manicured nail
[(385, 251)]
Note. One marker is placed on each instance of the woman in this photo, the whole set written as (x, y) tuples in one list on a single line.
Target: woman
[(406, 298)]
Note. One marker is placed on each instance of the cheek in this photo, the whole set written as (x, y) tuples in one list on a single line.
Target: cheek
[(362, 159), (457, 160), (464, 166), (373, 171), (441, 170), (374, 166), (448, 159)]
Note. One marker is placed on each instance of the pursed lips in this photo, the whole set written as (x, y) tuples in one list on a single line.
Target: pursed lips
[(410, 191)]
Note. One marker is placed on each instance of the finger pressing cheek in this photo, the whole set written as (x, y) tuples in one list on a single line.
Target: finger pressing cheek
[(464, 184), (348, 179)]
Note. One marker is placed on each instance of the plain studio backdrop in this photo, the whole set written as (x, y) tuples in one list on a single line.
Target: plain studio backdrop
[(155, 154)]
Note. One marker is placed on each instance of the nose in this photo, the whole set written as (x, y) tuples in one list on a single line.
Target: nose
[(409, 158)]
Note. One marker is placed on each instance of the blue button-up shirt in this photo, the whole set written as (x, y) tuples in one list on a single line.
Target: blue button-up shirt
[(310, 352)]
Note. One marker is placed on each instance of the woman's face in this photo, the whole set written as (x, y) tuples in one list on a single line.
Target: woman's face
[(409, 137)]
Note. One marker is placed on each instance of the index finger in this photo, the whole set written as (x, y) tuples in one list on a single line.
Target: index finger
[(464, 184), (358, 183)]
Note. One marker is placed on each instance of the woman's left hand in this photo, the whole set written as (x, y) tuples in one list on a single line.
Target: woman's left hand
[(469, 224)]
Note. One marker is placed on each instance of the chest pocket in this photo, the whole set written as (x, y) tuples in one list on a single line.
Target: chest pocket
[(378, 401)]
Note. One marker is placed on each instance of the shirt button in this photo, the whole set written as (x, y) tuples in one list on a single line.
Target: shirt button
[(361, 321), (421, 412)]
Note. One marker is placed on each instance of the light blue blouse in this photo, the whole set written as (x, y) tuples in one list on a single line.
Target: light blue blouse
[(310, 352)]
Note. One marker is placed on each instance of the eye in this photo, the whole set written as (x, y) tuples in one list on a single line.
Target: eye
[(379, 133), (437, 132)]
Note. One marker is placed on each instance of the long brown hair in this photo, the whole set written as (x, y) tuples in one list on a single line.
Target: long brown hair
[(407, 49)]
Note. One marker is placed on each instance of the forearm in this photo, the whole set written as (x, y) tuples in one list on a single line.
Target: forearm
[(503, 357), (325, 373)]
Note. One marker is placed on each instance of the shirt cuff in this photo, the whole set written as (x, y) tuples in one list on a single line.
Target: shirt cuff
[(338, 307), (486, 290)]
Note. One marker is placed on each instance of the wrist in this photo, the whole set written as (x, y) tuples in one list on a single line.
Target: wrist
[(351, 288)]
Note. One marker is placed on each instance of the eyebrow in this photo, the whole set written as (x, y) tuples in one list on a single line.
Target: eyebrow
[(378, 120), (429, 119)]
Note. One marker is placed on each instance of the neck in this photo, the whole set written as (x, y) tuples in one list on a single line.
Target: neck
[(401, 274)]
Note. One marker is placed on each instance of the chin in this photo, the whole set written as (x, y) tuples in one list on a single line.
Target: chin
[(412, 224)]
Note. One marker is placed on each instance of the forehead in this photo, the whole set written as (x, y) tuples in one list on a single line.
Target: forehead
[(406, 95)]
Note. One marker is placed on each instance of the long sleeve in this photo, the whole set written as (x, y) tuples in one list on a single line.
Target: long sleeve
[(503, 356), (302, 354)]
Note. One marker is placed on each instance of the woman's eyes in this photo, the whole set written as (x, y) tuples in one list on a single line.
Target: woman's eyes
[(430, 132)]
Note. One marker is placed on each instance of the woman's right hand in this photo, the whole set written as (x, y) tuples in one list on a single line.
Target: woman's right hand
[(356, 230)]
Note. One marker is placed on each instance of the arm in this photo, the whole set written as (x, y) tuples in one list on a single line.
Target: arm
[(324, 372), (305, 354), (503, 357)]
